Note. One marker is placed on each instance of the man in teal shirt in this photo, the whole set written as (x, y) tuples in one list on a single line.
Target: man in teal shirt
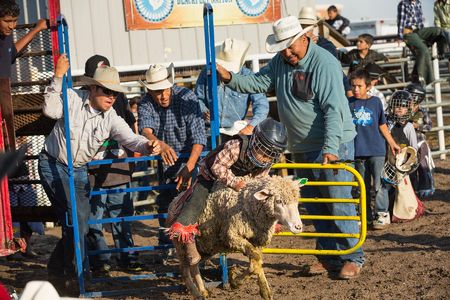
[(311, 103)]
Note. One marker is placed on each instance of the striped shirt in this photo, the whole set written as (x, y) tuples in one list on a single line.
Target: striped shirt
[(409, 15)]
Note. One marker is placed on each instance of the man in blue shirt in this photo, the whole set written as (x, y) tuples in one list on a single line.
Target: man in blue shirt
[(171, 114), (233, 106), (313, 106), (418, 38)]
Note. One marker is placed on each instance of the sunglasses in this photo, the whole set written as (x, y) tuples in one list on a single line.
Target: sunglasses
[(107, 91)]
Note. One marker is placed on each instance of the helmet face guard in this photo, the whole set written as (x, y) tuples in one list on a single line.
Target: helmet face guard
[(261, 154), (400, 99), (267, 143)]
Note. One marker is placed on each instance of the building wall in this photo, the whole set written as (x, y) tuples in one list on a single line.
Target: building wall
[(98, 27)]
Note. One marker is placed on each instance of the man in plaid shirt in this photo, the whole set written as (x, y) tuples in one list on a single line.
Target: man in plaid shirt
[(418, 38), (171, 115)]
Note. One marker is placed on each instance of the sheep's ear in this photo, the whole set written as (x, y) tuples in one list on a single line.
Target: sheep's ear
[(262, 194), (302, 181)]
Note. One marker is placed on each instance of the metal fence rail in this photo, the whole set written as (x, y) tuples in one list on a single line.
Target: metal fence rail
[(361, 202)]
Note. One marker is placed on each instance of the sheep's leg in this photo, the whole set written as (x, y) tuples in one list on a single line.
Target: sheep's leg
[(195, 272), (254, 256), (185, 270), (264, 288)]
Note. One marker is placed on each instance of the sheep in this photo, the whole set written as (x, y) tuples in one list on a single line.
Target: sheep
[(242, 222)]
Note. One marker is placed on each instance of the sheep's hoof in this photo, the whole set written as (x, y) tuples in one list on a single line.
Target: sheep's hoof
[(234, 282), (205, 294)]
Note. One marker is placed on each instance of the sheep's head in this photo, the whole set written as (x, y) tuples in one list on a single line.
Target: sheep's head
[(279, 196)]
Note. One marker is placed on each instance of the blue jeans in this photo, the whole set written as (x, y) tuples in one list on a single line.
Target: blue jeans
[(346, 152), (115, 205), (55, 180), (382, 199), (370, 169)]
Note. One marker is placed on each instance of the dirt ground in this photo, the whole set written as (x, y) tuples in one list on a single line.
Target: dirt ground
[(405, 261)]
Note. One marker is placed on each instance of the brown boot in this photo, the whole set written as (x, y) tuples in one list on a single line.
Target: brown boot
[(192, 255)]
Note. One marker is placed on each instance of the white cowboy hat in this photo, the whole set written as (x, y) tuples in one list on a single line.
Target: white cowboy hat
[(159, 77), (307, 16), (231, 53), (107, 77), (285, 32), (41, 290), (237, 126)]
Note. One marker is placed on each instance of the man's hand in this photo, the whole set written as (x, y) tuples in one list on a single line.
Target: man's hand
[(41, 25), (184, 178), (247, 130), (239, 185), (328, 158), (207, 116), (62, 65), (168, 155), (224, 74), (153, 147)]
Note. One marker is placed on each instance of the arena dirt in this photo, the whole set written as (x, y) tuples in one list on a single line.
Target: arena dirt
[(405, 261)]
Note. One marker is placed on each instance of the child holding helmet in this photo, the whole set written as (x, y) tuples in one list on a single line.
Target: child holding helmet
[(399, 112), (241, 156)]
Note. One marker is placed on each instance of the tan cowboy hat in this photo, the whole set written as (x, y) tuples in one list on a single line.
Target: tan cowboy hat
[(308, 16), (158, 77), (285, 32), (231, 53), (107, 77)]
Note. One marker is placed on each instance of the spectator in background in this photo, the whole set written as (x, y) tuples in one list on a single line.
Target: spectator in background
[(358, 58), (338, 22), (112, 176), (92, 122), (312, 105), (372, 134), (442, 19), (9, 13), (308, 19), (233, 106), (171, 115), (375, 72), (418, 38), (422, 178)]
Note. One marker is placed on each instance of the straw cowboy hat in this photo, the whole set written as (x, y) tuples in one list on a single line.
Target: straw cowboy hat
[(107, 77), (285, 32), (307, 16), (231, 54), (159, 77)]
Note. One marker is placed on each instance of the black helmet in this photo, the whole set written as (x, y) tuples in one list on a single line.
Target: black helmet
[(417, 92), (269, 139), (400, 99)]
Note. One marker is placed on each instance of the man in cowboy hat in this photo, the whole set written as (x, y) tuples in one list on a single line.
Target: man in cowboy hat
[(171, 115), (233, 106), (312, 104), (114, 176), (92, 122)]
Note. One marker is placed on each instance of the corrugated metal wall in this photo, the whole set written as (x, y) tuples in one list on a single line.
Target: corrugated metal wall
[(98, 27)]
